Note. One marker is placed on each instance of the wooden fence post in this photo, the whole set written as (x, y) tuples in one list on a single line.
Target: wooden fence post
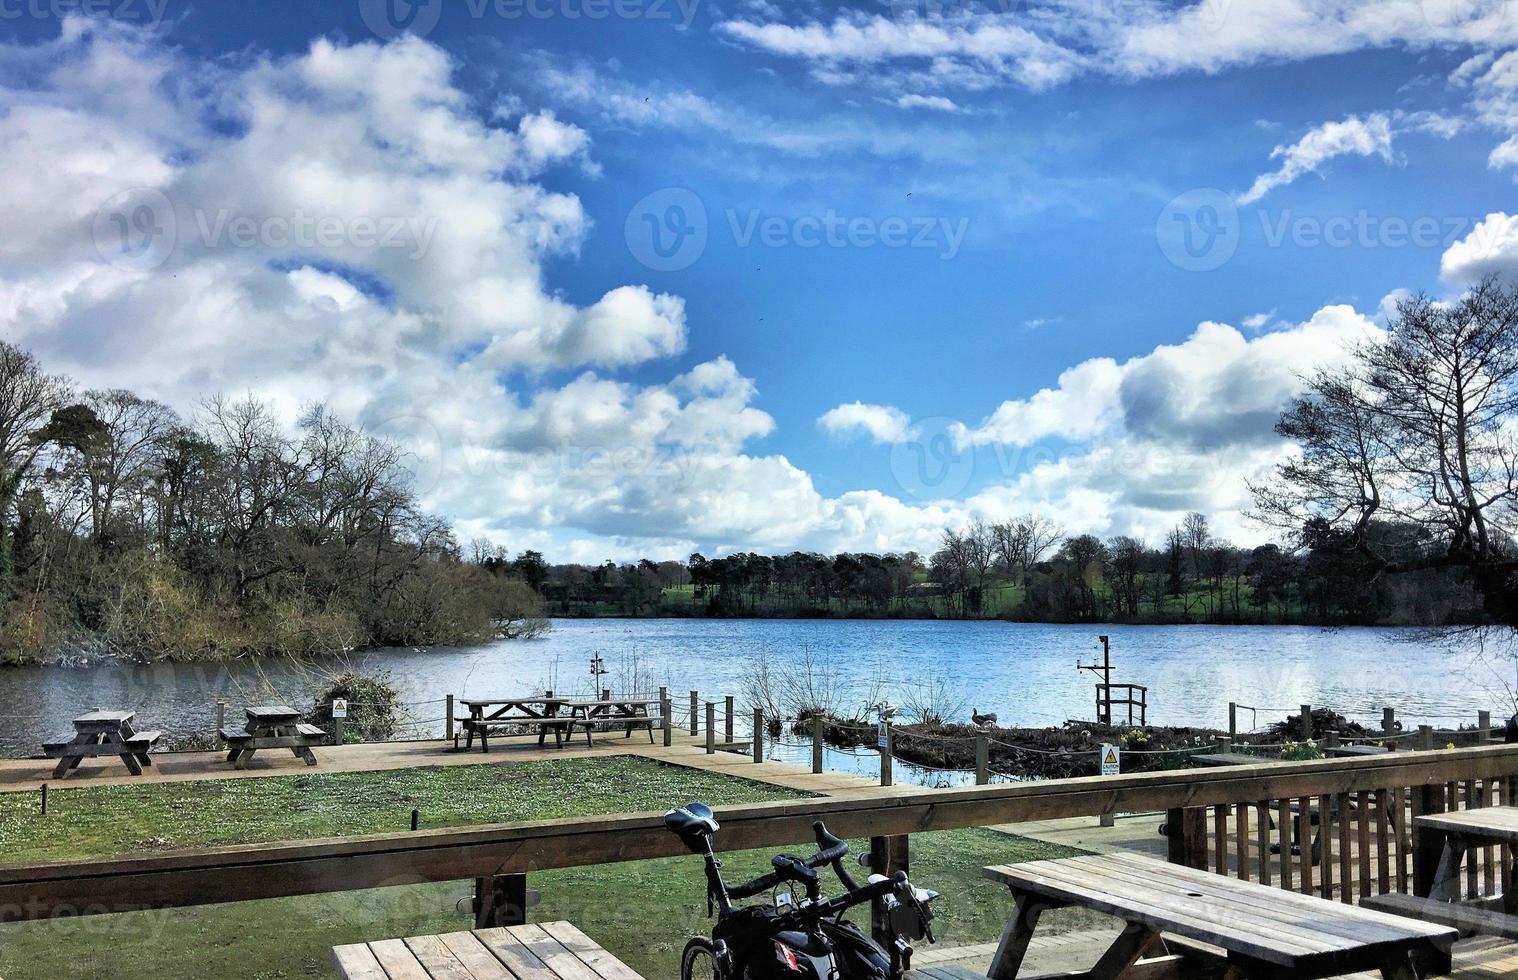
[(728, 728), (982, 759), (888, 855), (885, 757), (1425, 737), (339, 725), (221, 714), (816, 743), (1233, 720), (605, 694), (1186, 831), (667, 708), (1428, 845), (500, 900), (711, 727), (1307, 723), (695, 706), (758, 735), (1483, 727), (448, 721)]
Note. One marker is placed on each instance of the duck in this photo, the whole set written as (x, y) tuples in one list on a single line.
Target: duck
[(980, 720)]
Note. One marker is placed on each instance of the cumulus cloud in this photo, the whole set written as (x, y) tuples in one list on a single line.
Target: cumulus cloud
[(882, 423), (1491, 248), (1354, 136)]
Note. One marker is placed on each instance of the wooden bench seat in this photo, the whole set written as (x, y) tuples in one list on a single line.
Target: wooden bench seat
[(144, 740), (1469, 919), (310, 731), (234, 734), (57, 743), (540, 951)]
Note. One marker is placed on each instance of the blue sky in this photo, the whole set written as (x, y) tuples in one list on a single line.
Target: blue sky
[(1009, 186)]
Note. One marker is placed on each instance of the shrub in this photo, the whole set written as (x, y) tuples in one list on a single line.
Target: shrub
[(373, 706), (1300, 752)]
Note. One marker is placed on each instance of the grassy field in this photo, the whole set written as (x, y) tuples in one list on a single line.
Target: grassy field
[(644, 911)]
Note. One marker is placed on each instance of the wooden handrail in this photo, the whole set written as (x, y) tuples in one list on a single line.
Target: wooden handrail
[(234, 873)]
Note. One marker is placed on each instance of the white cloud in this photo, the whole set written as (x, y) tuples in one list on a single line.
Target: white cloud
[(915, 101), (1038, 47), (882, 423), (1354, 136), (1490, 248)]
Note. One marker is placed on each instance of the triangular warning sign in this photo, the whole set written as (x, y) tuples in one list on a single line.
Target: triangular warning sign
[(1110, 759)]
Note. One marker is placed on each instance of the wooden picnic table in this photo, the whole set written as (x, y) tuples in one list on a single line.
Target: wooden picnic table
[(628, 713), (102, 733), (272, 726), (1453, 836), (542, 712), (1169, 908), (538, 951)]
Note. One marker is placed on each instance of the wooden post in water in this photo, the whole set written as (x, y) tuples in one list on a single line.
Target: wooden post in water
[(758, 735), (817, 743), (221, 714), (1389, 726), (1233, 720), (665, 710), (1307, 723), (695, 704), (448, 721), (728, 728), (711, 728), (885, 757), (1425, 737), (1483, 727), (982, 759)]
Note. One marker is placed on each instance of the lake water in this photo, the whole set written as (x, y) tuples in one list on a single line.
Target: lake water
[(1023, 672)]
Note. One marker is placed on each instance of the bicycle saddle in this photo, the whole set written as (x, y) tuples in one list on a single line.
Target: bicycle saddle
[(691, 822)]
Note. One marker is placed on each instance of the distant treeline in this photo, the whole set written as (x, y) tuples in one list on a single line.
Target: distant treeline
[(126, 530), (1026, 569)]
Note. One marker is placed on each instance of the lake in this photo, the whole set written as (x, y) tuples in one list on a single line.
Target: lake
[(1023, 672)]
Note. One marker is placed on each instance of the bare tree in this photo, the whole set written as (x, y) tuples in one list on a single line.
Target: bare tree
[(28, 398), (1023, 542), (1418, 430)]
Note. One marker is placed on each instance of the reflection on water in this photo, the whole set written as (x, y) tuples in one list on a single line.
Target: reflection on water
[(1023, 672)]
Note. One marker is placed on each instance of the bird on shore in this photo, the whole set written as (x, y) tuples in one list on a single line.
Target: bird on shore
[(885, 711), (980, 720)]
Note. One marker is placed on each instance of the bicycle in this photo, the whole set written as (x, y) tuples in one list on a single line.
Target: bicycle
[(791, 939)]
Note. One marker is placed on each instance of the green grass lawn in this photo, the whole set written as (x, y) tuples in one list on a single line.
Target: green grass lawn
[(643, 911)]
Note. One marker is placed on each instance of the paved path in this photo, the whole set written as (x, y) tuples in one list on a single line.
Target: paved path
[(25, 775)]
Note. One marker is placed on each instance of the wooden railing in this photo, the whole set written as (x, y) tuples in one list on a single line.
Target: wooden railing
[(1348, 842), (1204, 827)]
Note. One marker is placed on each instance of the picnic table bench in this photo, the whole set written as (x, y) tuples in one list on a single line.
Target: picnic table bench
[(500, 716), (625, 713), (1262, 931), (538, 951), (1354, 750), (102, 733), (1454, 835), (273, 726)]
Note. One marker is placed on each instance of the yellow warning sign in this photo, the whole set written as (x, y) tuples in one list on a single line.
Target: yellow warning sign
[(1111, 760)]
